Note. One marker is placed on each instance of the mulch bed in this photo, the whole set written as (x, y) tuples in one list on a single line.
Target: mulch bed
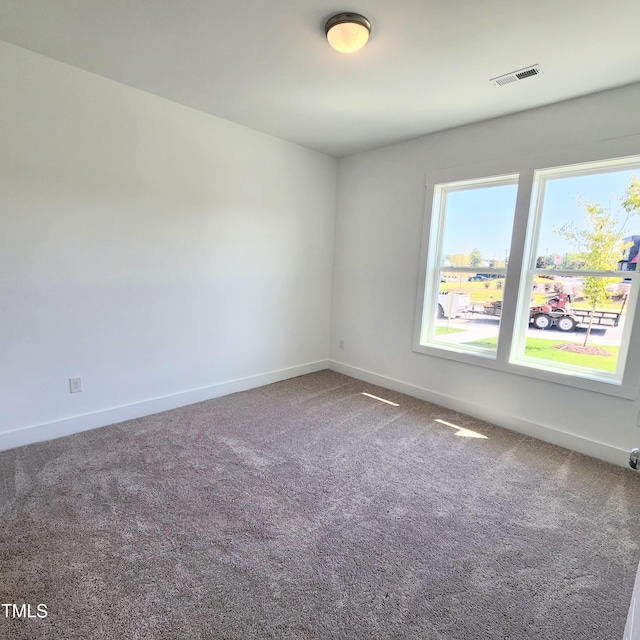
[(578, 348)]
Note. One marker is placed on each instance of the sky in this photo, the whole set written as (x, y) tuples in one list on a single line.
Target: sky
[(483, 218)]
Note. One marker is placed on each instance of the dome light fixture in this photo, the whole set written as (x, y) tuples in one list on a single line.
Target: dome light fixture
[(347, 32)]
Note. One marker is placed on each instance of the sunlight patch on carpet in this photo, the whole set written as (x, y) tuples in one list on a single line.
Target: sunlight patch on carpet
[(393, 404), (461, 431)]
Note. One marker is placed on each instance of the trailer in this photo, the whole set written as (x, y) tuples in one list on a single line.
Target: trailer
[(493, 308), (558, 313), (568, 320)]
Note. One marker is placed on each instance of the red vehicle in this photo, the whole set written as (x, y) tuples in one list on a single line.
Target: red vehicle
[(558, 312), (555, 312)]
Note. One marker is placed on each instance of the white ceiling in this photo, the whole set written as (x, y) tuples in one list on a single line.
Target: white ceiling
[(266, 64)]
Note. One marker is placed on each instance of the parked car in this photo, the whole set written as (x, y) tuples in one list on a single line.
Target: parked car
[(477, 277)]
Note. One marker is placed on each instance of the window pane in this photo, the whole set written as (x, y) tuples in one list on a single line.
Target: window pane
[(471, 230), (566, 331), (565, 216), (469, 310), (477, 226), (575, 324)]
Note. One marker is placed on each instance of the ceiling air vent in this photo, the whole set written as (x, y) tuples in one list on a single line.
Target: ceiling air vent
[(514, 76)]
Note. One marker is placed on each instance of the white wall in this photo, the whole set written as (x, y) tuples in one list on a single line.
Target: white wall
[(381, 202), (151, 249), (167, 256)]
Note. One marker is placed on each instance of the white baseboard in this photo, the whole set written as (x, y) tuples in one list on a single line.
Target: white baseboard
[(76, 424), (492, 415)]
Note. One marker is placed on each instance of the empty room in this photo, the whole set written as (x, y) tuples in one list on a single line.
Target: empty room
[(319, 321)]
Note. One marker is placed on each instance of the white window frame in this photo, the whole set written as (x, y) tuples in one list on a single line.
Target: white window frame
[(529, 270), (427, 336), (505, 358)]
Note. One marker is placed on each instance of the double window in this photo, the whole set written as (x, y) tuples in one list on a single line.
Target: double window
[(534, 273)]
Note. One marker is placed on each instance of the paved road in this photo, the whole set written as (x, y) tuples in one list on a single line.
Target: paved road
[(477, 326)]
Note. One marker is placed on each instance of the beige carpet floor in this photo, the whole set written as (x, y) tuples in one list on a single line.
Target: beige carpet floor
[(306, 509)]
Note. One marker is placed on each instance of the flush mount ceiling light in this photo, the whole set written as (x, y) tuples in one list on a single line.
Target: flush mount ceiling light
[(347, 32)]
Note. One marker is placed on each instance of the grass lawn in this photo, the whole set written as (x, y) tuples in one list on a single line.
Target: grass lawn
[(479, 292), (542, 349)]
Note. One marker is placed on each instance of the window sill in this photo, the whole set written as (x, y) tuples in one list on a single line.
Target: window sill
[(589, 382)]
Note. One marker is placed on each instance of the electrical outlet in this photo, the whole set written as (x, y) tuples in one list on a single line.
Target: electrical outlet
[(341, 344), (75, 385)]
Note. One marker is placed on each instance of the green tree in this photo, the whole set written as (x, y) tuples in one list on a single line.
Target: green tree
[(632, 202), (599, 244), (475, 258), (573, 260), (541, 262), (460, 259)]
